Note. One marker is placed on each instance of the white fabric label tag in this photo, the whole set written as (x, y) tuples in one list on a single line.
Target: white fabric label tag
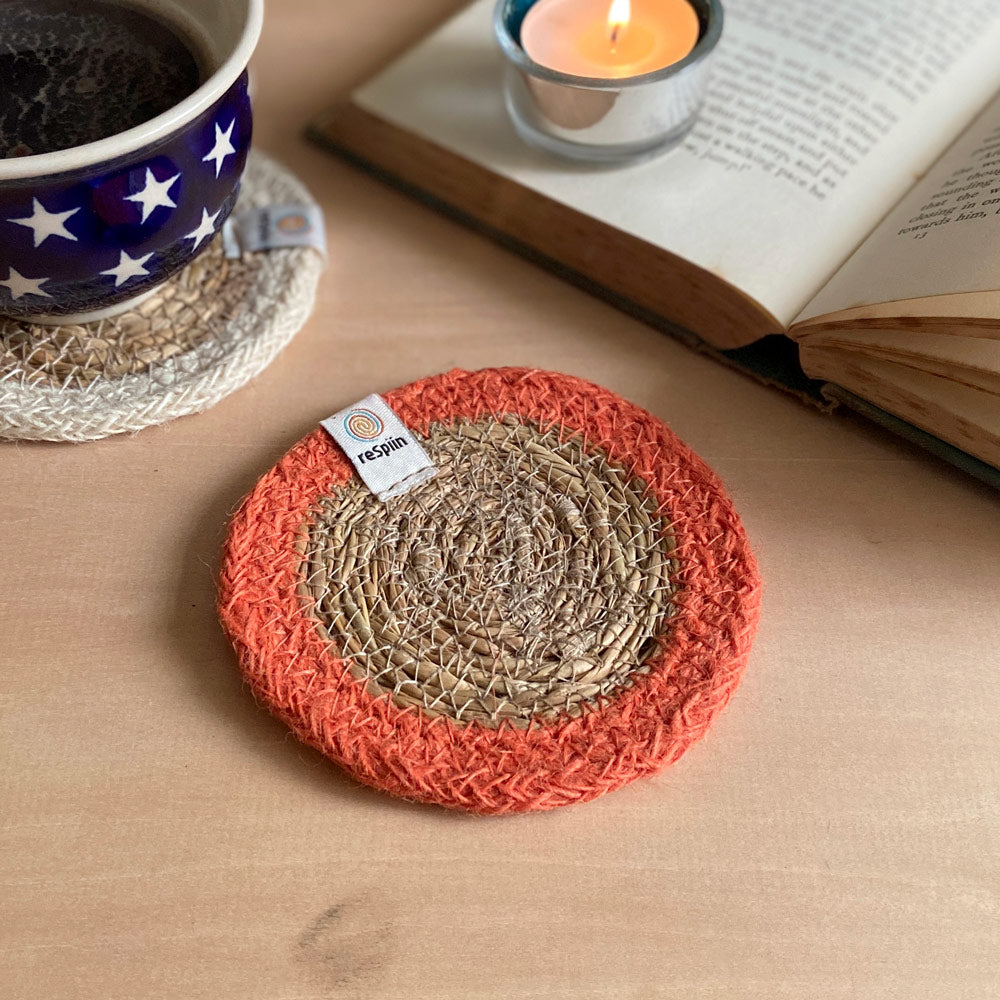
[(273, 227), (384, 451)]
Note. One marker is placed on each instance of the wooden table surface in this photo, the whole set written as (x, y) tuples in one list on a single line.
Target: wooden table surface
[(837, 835)]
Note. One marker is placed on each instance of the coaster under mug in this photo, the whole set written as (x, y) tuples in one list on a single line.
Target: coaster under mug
[(201, 336)]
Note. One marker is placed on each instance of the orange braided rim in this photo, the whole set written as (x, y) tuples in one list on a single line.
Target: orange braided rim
[(294, 668)]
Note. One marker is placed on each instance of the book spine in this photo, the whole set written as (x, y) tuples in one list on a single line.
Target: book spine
[(955, 456)]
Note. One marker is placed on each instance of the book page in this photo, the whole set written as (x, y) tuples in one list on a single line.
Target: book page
[(976, 314), (942, 239), (953, 410), (819, 118), (973, 361)]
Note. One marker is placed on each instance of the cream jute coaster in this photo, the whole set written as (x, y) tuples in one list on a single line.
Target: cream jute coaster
[(203, 335)]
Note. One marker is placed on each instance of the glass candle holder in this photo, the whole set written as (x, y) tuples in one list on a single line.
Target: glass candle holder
[(603, 121)]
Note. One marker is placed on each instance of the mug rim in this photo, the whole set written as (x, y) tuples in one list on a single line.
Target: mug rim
[(121, 144)]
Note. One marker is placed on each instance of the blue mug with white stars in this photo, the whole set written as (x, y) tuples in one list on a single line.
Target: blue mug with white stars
[(123, 136)]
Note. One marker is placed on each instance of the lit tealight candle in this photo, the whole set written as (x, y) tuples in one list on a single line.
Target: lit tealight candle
[(587, 38)]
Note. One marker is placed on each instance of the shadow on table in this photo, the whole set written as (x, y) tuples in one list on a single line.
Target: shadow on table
[(194, 631)]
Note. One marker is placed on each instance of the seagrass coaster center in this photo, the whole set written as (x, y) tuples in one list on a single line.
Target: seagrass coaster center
[(182, 314), (531, 577)]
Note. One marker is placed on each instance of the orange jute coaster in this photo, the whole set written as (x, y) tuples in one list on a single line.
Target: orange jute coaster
[(564, 607)]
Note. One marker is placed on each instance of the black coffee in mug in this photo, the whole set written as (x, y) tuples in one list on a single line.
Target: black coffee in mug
[(73, 72)]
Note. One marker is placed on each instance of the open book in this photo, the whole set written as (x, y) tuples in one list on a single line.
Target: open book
[(842, 186)]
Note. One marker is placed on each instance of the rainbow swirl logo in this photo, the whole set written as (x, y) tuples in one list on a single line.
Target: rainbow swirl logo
[(294, 222), (363, 425)]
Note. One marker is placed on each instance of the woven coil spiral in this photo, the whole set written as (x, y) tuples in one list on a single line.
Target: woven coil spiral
[(526, 580), (201, 336), (565, 607)]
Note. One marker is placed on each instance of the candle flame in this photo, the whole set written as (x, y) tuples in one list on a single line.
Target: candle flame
[(619, 16)]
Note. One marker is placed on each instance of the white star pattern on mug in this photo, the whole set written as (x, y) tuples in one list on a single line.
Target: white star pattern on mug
[(204, 230), (223, 146), (155, 194), (128, 268), (45, 223), (20, 285)]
